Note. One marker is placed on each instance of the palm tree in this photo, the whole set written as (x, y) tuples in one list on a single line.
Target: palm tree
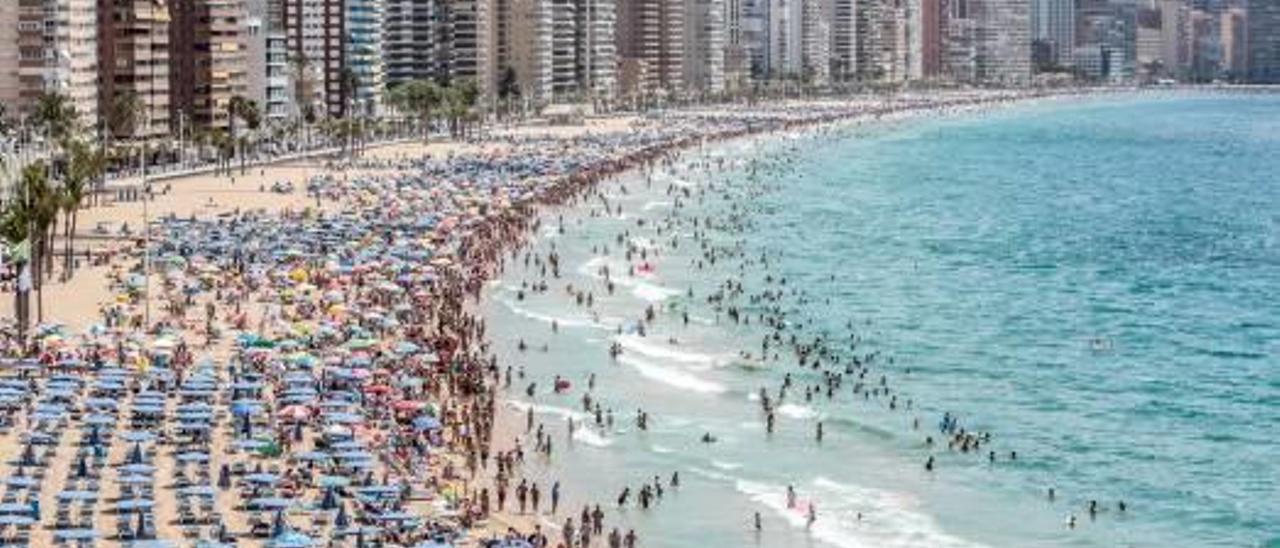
[(246, 110), (459, 100), (303, 87), (27, 224), (124, 114), (15, 227), (54, 115), (508, 88), (349, 82), (420, 97), (85, 165)]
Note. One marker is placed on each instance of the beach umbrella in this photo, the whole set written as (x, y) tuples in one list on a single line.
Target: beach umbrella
[(193, 456), (135, 505), (75, 534), (17, 520), (426, 423), (133, 479), (141, 469), (409, 405), (138, 436), (77, 495), (269, 503), (262, 478), (15, 508), (22, 482), (295, 413), (245, 408), (197, 491), (291, 539)]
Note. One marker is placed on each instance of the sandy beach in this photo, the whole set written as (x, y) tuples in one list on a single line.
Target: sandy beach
[(322, 339)]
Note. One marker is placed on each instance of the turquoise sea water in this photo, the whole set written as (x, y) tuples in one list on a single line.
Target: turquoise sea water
[(1096, 283)]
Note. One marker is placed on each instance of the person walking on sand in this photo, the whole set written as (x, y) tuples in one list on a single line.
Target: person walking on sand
[(813, 515)]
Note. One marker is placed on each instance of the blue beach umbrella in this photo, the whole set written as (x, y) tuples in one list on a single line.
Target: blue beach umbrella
[(144, 469), (14, 508), (75, 534), (70, 495), (204, 491), (133, 505), (16, 519), (262, 478), (270, 503), (133, 479), (193, 456), (22, 482)]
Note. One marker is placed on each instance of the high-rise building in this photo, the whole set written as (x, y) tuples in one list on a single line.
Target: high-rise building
[(1053, 23), (959, 41), (528, 33), (867, 63), (1232, 34), (9, 89), (1003, 40), (208, 62), (1206, 46), (704, 51), (785, 36), (563, 41), (1263, 39), (465, 43), (650, 45), (314, 35), (1175, 58), (133, 49), (266, 60), (362, 57), (597, 48), (1149, 47), (409, 36), (561, 49), (815, 40), (844, 40), (58, 53), (930, 39), (737, 64)]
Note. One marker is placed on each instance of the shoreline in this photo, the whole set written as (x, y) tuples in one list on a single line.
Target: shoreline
[(513, 411), (479, 255)]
